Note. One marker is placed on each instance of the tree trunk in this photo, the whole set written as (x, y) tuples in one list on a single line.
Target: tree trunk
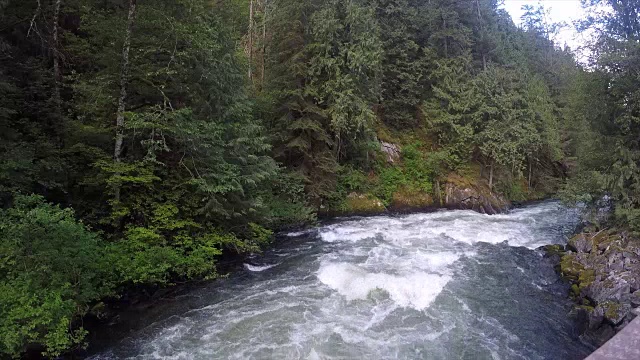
[(250, 38), (56, 59), (529, 180), (124, 74), (491, 177), (438, 193), (264, 43)]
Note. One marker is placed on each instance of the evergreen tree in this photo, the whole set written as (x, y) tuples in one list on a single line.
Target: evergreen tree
[(403, 62)]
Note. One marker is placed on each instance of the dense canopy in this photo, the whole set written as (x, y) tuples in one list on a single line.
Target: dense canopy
[(141, 141)]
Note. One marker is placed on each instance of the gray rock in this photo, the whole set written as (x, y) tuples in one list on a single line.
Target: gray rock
[(580, 243), (392, 151), (615, 312), (631, 277), (474, 198), (635, 298), (596, 317), (600, 335), (613, 289)]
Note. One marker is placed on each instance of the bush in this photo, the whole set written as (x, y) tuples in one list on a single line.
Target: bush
[(286, 202), (51, 268)]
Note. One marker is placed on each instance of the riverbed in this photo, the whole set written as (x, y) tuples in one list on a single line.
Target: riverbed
[(440, 285)]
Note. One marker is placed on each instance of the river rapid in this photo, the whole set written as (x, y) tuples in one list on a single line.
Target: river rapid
[(441, 285)]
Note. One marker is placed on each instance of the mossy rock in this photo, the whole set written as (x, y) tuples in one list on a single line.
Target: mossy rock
[(552, 250), (406, 198), (586, 278), (570, 267), (586, 308), (613, 312), (575, 290), (363, 204)]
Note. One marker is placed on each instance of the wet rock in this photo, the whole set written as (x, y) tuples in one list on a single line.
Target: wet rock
[(474, 198), (571, 267), (615, 312), (580, 243), (635, 298), (604, 271), (391, 150), (600, 335), (595, 317), (611, 289), (632, 278)]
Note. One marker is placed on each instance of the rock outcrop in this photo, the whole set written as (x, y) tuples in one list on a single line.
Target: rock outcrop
[(363, 204), (391, 150), (604, 270), (459, 194)]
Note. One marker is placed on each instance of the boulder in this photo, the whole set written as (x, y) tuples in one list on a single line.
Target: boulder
[(391, 150), (612, 288), (632, 278), (474, 198), (635, 298), (595, 317), (581, 243), (599, 336), (615, 312), (604, 271)]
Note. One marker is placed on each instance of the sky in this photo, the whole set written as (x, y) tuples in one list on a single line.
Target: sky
[(560, 11)]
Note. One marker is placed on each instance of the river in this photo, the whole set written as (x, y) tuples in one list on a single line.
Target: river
[(440, 285)]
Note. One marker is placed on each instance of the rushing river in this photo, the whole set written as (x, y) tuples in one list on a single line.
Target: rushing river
[(443, 285)]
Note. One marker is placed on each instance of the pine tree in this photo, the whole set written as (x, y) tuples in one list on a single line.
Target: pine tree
[(403, 62)]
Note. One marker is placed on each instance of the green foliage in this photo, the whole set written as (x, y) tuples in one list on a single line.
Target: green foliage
[(52, 267), (286, 202), (198, 177), (389, 180), (404, 61), (416, 168), (604, 114)]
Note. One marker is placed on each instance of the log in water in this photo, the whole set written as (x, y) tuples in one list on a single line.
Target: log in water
[(443, 285)]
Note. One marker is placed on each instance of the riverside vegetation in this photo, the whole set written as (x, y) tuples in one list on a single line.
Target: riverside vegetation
[(142, 141)]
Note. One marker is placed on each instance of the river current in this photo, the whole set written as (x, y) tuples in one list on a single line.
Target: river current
[(441, 285)]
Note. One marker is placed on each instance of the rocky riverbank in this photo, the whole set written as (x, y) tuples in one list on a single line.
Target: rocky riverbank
[(458, 193), (603, 267)]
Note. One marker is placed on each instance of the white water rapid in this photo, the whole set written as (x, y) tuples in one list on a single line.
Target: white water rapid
[(443, 285)]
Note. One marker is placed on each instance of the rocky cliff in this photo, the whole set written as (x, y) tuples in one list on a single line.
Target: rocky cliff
[(604, 270)]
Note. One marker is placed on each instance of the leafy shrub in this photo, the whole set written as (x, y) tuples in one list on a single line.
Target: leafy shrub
[(389, 180), (286, 202), (416, 169), (51, 268)]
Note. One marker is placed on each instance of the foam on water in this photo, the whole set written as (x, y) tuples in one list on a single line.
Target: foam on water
[(257, 268), (416, 286), (416, 290)]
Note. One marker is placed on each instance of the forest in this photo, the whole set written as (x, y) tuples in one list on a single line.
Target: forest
[(142, 141)]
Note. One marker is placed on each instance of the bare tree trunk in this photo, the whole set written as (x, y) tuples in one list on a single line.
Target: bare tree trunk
[(529, 180), (264, 43), (124, 75), (250, 38), (438, 193), (56, 59), (491, 177)]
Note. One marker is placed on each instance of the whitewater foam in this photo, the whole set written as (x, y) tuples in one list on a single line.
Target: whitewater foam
[(257, 268), (416, 290)]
